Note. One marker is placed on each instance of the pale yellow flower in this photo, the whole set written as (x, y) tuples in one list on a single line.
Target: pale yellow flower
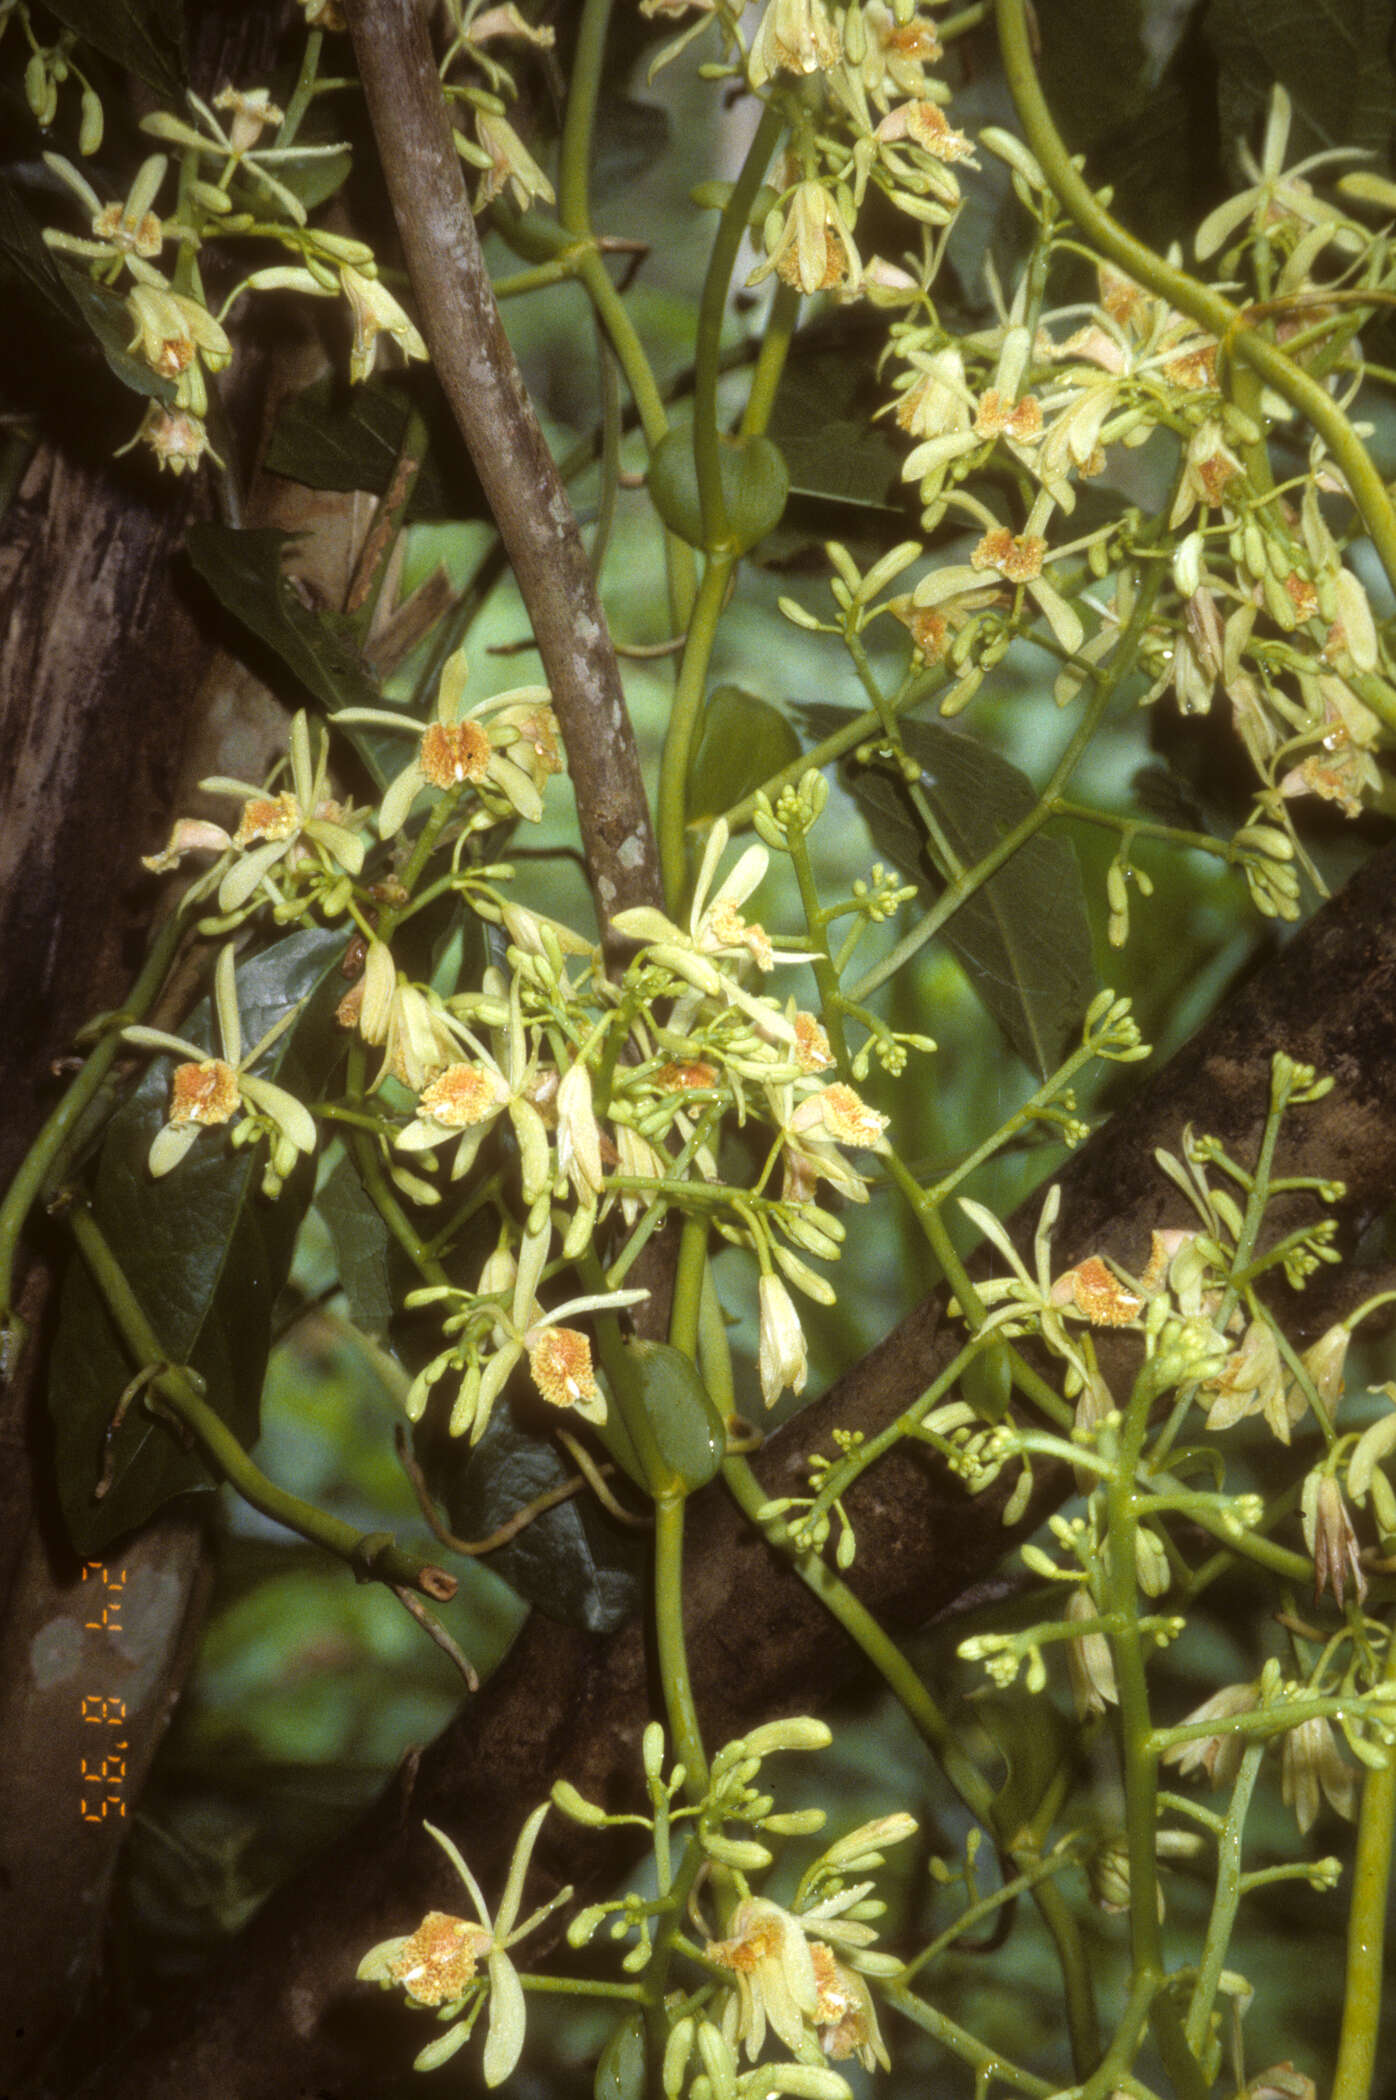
[(845, 2014), (1089, 1662), (206, 1092), (376, 313), (795, 36), (1217, 1757), (438, 1964), (782, 1355), (1313, 1769), (505, 747), (506, 163), (809, 244), (768, 1957)]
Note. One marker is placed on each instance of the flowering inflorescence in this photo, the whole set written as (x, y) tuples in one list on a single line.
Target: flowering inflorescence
[(213, 1092), (246, 177), (1267, 613), (801, 1973), (614, 1097)]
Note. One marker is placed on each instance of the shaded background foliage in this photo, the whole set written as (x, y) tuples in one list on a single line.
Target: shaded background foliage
[(307, 1692)]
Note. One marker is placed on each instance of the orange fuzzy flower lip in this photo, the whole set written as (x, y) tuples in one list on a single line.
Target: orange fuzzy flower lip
[(204, 1093), (1020, 419), (1094, 1291), (913, 40), (760, 1941), (685, 1077), (268, 817), (1016, 556), (437, 1962), (560, 1364), (461, 1096), (453, 753), (811, 1044), (847, 1118)]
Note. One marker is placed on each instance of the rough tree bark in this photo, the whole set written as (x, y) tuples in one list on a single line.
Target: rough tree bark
[(283, 2015), (108, 681), (89, 738)]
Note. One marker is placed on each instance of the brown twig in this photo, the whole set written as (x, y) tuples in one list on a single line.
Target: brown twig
[(594, 1477), (435, 1631), (512, 1526), (481, 381)]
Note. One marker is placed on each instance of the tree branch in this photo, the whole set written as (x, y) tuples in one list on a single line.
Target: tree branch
[(482, 383), (286, 2014)]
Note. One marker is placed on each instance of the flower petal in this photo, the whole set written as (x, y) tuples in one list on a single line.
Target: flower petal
[(398, 799), (170, 1146), (504, 2046), (290, 1116)]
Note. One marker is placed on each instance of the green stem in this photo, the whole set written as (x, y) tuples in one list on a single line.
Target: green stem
[(1142, 828), (1060, 1861), (961, 890), (846, 1470), (689, 1277), (1139, 1761), (1118, 2059), (372, 1554), (1371, 1882), (586, 1987), (1225, 1903), (583, 94), (991, 2064), (303, 92), (577, 254), (1030, 1383), (712, 310), (1019, 1120), (682, 729), (945, 860), (378, 1189), (677, 1687), (826, 976), (41, 1164), (1228, 323), (940, 1738), (1138, 1756), (877, 1645), (770, 364)]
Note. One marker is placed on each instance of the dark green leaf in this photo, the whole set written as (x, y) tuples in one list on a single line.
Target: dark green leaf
[(630, 138), (574, 1562), (204, 1252), (742, 741), (1163, 794), (108, 320), (670, 1435), (1131, 90), (1334, 57), (71, 304), (328, 437), (824, 428), (22, 248), (145, 37), (1024, 937), (1034, 1739), (620, 2071), (362, 1248), (243, 570), (313, 182), (1094, 67)]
